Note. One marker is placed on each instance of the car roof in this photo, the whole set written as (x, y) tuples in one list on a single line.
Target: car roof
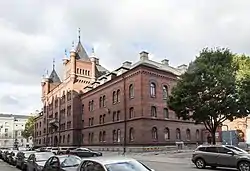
[(109, 160), (217, 145)]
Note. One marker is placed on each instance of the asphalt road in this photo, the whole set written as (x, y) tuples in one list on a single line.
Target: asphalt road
[(157, 166)]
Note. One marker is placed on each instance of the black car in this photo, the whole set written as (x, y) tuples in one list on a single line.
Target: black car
[(62, 163), (2, 150), (21, 159), (85, 152), (12, 157)]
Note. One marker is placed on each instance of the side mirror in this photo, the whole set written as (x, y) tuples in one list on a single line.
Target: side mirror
[(230, 153)]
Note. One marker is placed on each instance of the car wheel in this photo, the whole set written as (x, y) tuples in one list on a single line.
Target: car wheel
[(244, 166), (200, 163)]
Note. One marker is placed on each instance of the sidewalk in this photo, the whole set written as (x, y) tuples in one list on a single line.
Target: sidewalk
[(148, 153), (177, 157)]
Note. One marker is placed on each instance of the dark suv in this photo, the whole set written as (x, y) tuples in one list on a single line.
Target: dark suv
[(221, 156)]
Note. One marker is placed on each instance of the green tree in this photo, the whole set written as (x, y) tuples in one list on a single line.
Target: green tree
[(29, 128), (211, 91)]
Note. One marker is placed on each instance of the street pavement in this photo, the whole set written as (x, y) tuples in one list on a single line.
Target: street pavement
[(156, 161)]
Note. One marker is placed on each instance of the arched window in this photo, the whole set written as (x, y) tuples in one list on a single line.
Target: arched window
[(100, 136), (154, 134), (166, 113), (100, 119), (92, 137), (188, 134), (131, 134), (152, 89), (153, 111), (92, 105), (118, 93), (103, 136), (178, 134), (89, 105), (131, 112), (118, 135), (114, 136), (68, 139), (197, 135), (114, 97), (104, 101), (131, 91), (165, 92), (100, 102), (166, 134)]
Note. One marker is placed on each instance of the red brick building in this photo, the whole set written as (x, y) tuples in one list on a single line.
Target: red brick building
[(91, 106), (60, 121), (132, 101)]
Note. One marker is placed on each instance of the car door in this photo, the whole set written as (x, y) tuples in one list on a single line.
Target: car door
[(54, 164), (81, 152), (91, 166), (211, 155), (47, 164), (226, 157), (30, 163)]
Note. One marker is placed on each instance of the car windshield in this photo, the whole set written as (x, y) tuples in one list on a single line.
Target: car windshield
[(43, 156), (126, 166), (27, 154), (69, 161), (239, 150)]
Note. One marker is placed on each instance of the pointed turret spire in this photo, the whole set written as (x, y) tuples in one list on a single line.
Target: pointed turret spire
[(53, 68), (79, 34)]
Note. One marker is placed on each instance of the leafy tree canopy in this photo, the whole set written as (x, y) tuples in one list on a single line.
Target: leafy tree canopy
[(29, 127), (213, 89)]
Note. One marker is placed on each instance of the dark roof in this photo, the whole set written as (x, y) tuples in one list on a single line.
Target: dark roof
[(81, 52), (54, 78), (101, 71), (16, 116)]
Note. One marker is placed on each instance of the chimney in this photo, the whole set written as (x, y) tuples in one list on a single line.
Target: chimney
[(165, 62), (144, 55), (127, 64)]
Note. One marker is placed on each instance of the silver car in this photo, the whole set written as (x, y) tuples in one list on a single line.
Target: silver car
[(37, 160), (112, 164), (221, 156)]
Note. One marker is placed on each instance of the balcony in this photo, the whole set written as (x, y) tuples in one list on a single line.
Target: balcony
[(54, 122)]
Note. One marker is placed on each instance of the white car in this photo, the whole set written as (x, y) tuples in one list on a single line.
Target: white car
[(112, 164)]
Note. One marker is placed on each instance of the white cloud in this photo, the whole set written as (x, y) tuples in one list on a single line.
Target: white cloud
[(33, 32)]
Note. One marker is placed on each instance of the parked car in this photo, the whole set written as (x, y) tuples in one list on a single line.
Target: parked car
[(62, 163), (64, 150), (37, 160), (2, 150), (12, 157), (21, 160), (6, 155), (112, 164), (85, 152), (221, 156)]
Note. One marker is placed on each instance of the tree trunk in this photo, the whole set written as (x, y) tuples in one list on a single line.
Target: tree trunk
[(213, 137)]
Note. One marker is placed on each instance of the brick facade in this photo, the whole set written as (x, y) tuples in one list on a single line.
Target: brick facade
[(94, 107), (141, 122)]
